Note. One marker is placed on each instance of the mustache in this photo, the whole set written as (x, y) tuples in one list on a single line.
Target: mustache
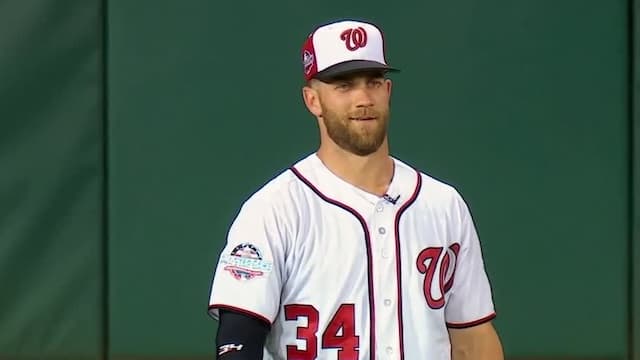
[(365, 113)]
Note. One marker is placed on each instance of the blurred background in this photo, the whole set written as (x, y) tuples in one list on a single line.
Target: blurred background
[(131, 131)]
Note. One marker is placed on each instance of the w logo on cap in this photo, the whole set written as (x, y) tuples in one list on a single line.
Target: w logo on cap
[(354, 38)]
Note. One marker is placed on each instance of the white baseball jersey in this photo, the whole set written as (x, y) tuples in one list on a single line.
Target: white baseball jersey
[(340, 273)]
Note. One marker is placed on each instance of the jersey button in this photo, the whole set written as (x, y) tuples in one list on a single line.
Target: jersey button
[(382, 230), (387, 302), (379, 208), (385, 253), (389, 350)]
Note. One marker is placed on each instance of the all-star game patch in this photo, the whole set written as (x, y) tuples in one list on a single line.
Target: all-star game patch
[(245, 262)]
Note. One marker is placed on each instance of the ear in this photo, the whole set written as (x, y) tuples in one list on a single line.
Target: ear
[(389, 84), (312, 100)]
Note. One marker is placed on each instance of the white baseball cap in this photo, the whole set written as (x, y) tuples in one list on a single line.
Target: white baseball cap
[(343, 47)]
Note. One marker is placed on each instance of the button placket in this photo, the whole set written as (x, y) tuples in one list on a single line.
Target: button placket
[(385, 250), (381, 227)]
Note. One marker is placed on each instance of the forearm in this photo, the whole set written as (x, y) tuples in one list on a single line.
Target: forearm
[(480, 343), (240, 336), (480, 351)]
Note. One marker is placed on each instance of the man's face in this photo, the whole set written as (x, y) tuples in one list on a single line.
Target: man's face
[(355, 111)]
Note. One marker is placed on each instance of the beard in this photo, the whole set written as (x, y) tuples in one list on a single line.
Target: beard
[(351, 136)]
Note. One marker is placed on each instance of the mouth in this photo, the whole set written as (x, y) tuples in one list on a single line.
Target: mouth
[(363, 118)]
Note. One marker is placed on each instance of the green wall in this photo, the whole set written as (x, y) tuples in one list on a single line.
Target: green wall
[(522, 105), (634, 208), (51, 180)]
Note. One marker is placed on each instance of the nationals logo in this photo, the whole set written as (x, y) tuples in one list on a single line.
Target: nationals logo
[(427, 263), (354, 38)]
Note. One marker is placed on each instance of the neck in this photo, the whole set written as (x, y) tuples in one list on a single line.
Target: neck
[(371, 173)]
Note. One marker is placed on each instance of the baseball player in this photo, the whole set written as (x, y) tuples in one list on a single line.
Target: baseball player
[(350, 253)]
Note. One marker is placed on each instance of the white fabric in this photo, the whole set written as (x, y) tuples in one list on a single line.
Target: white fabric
[(331, 49), (315, 262)]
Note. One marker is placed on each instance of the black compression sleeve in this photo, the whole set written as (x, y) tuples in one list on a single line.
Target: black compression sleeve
[(240, 336)]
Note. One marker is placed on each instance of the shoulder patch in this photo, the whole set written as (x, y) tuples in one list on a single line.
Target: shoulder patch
[(245, 262)]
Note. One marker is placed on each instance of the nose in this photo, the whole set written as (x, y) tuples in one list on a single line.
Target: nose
[(362, 97)]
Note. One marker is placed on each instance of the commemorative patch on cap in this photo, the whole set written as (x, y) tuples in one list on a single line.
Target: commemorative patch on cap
[(307, 61)]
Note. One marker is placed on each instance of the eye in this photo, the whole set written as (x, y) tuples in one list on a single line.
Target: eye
[(343, 85), (375, 82)]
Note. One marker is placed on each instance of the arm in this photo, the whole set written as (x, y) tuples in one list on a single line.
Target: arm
[(245, 293), (479, 342), (240, 336), (470, 309)]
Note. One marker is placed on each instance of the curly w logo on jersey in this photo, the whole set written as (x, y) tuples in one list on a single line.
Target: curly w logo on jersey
[(245, 262), (441, 276)]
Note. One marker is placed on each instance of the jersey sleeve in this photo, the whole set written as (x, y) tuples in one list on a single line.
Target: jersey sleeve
[(248, 275), (471, 300)]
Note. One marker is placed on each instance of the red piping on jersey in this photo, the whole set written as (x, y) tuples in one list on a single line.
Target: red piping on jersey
[(472, 323), (367, 239), (398, 262), (242, 311)]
